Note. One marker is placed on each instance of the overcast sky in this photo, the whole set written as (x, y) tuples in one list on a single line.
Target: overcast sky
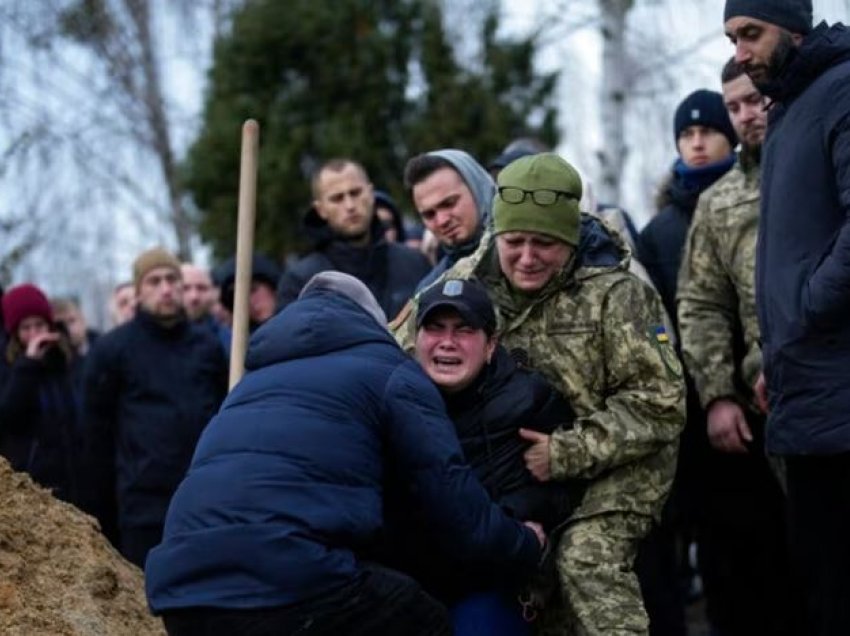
[(684, 38)]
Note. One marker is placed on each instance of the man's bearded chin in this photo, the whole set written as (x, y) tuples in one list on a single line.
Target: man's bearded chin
[(760, 75), (781, 57), (750, 154)]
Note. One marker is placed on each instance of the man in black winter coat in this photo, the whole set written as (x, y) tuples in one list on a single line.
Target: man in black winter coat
[(803, 281), (704, 139), (150, 387), (348, 237)]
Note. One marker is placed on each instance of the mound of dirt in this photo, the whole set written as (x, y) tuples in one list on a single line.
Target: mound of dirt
[(59, 576)]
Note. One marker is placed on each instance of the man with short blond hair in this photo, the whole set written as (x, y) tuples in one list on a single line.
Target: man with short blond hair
[(348, 237), (199, 298), (122, 303), (150, 386), (198, 291)]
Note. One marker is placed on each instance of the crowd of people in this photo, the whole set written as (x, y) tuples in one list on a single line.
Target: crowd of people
[(528, 419)]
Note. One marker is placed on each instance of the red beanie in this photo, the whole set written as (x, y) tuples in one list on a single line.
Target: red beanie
[(20, 303)]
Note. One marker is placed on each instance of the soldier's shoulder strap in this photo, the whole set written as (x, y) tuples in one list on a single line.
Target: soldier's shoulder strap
[(401, 316)]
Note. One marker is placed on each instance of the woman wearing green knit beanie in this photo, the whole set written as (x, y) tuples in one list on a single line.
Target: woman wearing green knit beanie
[(539, 193), (536, 219)]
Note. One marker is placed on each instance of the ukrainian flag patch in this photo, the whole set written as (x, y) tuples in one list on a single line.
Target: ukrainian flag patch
[(660, 340)]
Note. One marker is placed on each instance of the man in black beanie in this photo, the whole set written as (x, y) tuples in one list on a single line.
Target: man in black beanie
[(704, 138), (803, 282), (262, 300), (767, 34)]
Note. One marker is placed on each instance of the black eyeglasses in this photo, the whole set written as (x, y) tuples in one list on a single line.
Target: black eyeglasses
[(510, 194)]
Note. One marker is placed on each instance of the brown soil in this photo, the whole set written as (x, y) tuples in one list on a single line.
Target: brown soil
[(59, 576)]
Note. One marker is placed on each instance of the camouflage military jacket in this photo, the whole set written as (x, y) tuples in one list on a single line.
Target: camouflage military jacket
[(595, 333), (716, 294)]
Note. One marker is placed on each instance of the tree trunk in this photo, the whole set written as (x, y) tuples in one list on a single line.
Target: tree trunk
[(612, 156), (154, 106)]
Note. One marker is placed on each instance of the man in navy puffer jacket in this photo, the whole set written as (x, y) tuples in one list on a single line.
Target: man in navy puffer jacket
[(286, 486)]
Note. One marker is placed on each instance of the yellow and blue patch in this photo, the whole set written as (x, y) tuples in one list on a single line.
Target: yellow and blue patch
[(660, 340)]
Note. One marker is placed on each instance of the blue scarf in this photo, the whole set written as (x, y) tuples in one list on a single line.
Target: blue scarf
[(699, 178)]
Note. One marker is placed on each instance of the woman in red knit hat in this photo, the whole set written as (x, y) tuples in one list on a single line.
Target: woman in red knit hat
[(39, 403)]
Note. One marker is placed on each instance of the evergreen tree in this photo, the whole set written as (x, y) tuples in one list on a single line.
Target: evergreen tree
[(372, 80)]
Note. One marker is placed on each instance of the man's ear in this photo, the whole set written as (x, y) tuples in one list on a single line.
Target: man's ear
[(317, 206), (370, 192), (492, 343)]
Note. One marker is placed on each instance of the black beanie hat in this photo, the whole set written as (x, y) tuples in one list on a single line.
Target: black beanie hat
[(384, 199), (794, 15), (263, 269), (704, 108)]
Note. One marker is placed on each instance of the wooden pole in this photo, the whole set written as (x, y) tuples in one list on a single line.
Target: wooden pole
[(244, 247)]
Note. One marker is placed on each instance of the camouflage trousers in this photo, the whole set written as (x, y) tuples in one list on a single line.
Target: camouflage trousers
[(600, 594)]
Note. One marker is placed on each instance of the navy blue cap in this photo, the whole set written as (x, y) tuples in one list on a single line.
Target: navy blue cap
[(467, 297), (794, 15), (704, 108)]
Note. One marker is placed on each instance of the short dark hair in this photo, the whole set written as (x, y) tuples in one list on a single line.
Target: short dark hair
[(423, 166), (732, 70), (337, 164)]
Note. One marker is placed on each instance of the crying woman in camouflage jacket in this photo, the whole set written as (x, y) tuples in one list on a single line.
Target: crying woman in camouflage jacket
[(569, 308)]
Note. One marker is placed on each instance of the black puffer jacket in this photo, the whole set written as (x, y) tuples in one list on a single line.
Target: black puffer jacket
[(488, 415), (662, 241), (390, 270)]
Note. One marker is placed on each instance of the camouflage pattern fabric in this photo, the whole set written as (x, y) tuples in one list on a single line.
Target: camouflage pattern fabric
[(615, 219), (716, 299), (600, 591), (716, 289), (596, 334)]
